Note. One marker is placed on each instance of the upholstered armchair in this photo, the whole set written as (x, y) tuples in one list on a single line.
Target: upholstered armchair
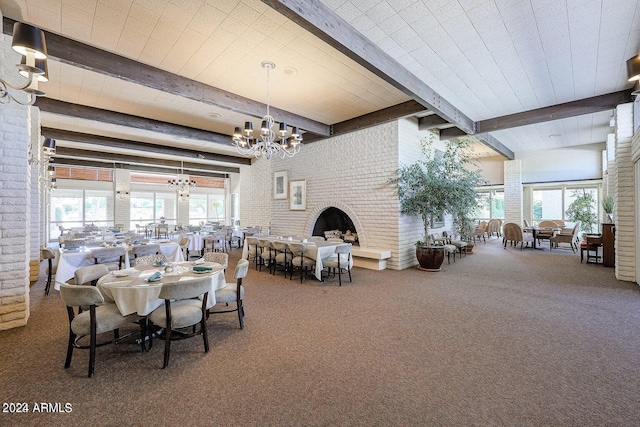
[(569, 236), (513, 233)]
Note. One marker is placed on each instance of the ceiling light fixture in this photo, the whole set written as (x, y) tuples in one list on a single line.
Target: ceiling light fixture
[(29, 42), (267, 146), (180, 184)]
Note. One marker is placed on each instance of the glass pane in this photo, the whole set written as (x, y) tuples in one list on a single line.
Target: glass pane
[(547, 204), (166, 206), (587, 214), (142, 208), (483, 211), (216, 208), (497, 205), (197, 208), (98, 207)]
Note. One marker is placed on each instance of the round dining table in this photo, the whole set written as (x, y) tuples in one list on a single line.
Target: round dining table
[(132, 292)]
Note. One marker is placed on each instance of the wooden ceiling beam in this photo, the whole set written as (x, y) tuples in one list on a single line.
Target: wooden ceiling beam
[(432, 121), (493, 143), (91, 58), (103, 164), (377, 117), (319, 20), (168, 165), (54, 106), (580, 107), (104, 141), (451, 133)]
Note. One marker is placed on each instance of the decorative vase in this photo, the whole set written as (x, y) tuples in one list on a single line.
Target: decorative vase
[(470, 246), (430, 258)]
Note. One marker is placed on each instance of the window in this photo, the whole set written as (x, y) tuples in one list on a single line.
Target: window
[(72, 208), (547, 204), (553, 203), (148, 207), (206, 208), (491, 205)]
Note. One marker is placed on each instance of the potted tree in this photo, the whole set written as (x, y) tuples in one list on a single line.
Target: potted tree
[(437, 183), (583, 209)]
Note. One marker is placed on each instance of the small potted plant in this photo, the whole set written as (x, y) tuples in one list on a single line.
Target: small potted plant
[(608, 203), (437, 183)]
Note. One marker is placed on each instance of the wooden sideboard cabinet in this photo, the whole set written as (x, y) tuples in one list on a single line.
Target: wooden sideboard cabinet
[(608, 249)]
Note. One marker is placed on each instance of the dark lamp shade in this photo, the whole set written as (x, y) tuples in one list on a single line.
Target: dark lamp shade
[(49, 144), (248, 126), (633, 68), (29, 39), (41, 64)]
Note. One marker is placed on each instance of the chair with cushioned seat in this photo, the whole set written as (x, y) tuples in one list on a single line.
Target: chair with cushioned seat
[(299, 260), (182, 309), (144, 250), (219, 257), (267, 255), (341, 261), (233, 293), (90, 274), (282, 256), (113, 258), (99, 318), (158, 259), (50, 256), (513, 233)]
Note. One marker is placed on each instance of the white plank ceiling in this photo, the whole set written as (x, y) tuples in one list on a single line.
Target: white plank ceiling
[(488, 58)]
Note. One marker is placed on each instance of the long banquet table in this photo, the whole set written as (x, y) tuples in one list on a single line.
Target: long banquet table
[(315, 250), (69, 260), (132, 293)]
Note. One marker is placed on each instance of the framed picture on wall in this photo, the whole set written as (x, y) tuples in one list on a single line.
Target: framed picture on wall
[(280, 185), (298, 195), (437, 221)]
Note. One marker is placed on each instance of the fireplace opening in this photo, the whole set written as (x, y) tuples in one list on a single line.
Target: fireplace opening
[(334, 222)]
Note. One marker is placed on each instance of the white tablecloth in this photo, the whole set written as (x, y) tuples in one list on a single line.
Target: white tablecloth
[(71, 260), (133, 294), (315, 250)]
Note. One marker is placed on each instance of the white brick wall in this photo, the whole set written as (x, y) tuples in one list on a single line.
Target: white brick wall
[(625, 195), (15, 199), (349, 172), (513, 195)]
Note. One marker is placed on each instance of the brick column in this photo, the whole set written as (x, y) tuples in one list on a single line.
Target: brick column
[(624, 190), (15, 199), (122, 183), (513, 192)]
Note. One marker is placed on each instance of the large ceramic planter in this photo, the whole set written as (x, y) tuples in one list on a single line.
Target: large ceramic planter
[(430, 258)]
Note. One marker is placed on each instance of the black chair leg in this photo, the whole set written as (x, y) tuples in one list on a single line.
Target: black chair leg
[(48, 285), (241, 314), (72, 338), (167, 346)]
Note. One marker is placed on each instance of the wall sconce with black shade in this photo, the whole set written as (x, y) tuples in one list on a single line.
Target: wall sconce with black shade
[(122, 194), (633, 68), (28, 41), (48, 149)]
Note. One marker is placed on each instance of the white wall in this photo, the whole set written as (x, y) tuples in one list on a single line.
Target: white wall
[(562, 164), (492, 170)]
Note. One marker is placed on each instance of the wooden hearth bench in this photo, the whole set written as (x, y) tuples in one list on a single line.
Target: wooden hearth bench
[(373, 259)]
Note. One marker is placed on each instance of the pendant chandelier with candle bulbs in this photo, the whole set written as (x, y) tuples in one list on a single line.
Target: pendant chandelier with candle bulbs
[(181, 184), (266, 145)]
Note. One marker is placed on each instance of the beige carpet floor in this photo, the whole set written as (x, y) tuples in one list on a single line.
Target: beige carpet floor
[(503, 337)]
